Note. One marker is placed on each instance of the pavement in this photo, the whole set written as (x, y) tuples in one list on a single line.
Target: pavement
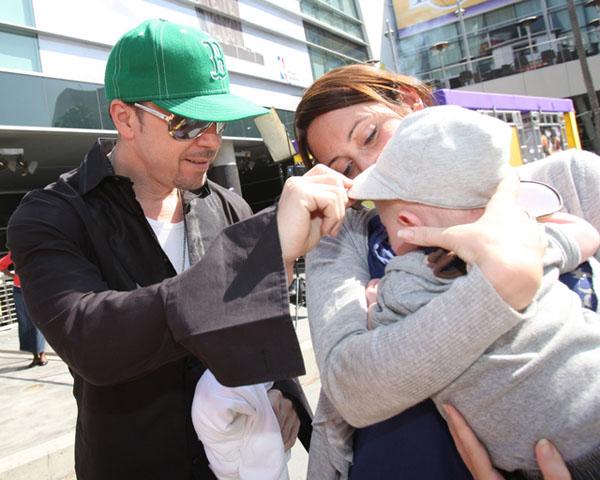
[(38, 411)]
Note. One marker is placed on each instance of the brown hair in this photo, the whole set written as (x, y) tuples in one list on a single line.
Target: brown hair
[(351, 85)]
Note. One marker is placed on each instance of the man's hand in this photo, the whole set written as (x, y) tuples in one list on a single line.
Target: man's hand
[(310, 207), (478, 461), (288, 419)]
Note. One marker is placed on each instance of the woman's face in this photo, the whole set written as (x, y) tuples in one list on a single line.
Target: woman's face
[(350, 139)]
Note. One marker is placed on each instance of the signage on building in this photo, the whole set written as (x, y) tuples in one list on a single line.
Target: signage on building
[(413, 16)]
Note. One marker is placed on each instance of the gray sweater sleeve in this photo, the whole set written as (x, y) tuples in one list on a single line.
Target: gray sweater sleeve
[(363, 373), (576, 175)]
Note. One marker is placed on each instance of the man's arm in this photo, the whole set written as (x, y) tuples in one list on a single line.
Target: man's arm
[(230, 309), (233, 315)]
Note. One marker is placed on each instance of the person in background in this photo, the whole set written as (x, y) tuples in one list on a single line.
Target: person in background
[(30, 338), (142, 273)]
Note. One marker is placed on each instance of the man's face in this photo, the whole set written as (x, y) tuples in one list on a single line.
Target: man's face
[(173, 163)]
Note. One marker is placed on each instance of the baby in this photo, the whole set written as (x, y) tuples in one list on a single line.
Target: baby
[(542, 378)]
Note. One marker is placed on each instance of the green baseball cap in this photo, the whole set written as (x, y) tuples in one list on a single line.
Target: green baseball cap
[(177, 67)]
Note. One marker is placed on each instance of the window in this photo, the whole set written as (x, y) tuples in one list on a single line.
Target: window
[(346, 7), (351, 26), (19, 51), (17, 11), (331, 41), (321, 62), (528, 7)]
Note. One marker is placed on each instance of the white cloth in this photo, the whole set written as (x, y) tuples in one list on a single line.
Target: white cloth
[(239, 431), (171, 237)]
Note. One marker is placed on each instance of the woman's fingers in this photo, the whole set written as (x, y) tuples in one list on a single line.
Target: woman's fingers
[(477, 460), (469, 447), (551, 462)]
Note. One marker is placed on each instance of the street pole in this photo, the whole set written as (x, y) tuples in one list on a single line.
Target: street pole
[(440, 47), (587, 78), (389, 34), (459, 13), (547, 24)]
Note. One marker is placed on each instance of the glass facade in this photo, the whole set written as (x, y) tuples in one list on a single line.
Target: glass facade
[(46, 102), (18, 50), (334, 42), (344, 20), (337, 50), (34, 101), (515, 38), (322, 62), (17, 11)]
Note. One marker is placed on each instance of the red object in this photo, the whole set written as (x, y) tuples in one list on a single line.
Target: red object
[(5, 263)]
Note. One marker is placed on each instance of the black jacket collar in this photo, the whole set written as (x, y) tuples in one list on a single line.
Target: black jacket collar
[(96, 167)]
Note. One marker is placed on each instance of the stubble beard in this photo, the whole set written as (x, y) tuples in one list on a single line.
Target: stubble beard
[(194, 183)]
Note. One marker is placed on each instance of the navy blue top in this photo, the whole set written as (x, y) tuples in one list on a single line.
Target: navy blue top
[(416, 444)]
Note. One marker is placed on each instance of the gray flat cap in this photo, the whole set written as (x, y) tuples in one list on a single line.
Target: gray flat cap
[(449, 157)]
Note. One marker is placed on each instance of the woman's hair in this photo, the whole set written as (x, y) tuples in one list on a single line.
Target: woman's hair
[(351, 85)]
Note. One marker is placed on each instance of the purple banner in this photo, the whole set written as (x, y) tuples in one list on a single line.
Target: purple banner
[(501, 101)]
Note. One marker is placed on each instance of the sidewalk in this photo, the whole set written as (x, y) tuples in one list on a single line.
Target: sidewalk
[(38, 412)]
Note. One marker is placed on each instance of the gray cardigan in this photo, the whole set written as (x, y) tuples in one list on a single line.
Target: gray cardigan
[(364, 378)]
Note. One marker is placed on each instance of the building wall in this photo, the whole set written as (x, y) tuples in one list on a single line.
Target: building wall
[(562, 80), (506, 39), (95, 25)]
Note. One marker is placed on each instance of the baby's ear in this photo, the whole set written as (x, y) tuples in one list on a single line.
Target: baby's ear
[(408, 218)]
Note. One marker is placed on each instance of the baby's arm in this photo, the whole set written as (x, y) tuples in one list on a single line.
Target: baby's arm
[(585, 235)]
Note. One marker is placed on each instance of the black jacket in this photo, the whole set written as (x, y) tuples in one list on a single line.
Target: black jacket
[(105, 295)]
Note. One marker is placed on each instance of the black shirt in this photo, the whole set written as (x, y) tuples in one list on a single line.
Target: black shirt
[(105, 295)]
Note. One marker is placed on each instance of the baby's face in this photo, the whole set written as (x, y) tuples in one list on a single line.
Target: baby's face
[(398, 214), (390, 213)]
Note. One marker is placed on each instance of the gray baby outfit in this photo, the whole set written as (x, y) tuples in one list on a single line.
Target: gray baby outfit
[(539, 380)]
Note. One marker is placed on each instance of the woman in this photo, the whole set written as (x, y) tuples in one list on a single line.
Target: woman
[(343, 121)]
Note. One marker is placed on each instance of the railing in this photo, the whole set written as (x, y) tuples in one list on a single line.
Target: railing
[(8, 313), (505, 60)]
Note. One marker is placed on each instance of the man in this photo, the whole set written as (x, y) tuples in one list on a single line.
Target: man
[(102, 251)]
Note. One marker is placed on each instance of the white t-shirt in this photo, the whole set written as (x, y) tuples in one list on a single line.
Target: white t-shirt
[(171, 237)]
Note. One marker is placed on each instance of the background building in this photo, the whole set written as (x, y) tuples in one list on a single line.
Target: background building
[(523, 47), (52, 58)]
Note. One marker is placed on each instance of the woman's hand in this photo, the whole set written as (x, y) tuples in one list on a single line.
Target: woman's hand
[(310, 207), (505, 243), (478, 461), (371, 297)]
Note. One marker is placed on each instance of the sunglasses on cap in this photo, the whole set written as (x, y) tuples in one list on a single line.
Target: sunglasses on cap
[(183, 128)]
